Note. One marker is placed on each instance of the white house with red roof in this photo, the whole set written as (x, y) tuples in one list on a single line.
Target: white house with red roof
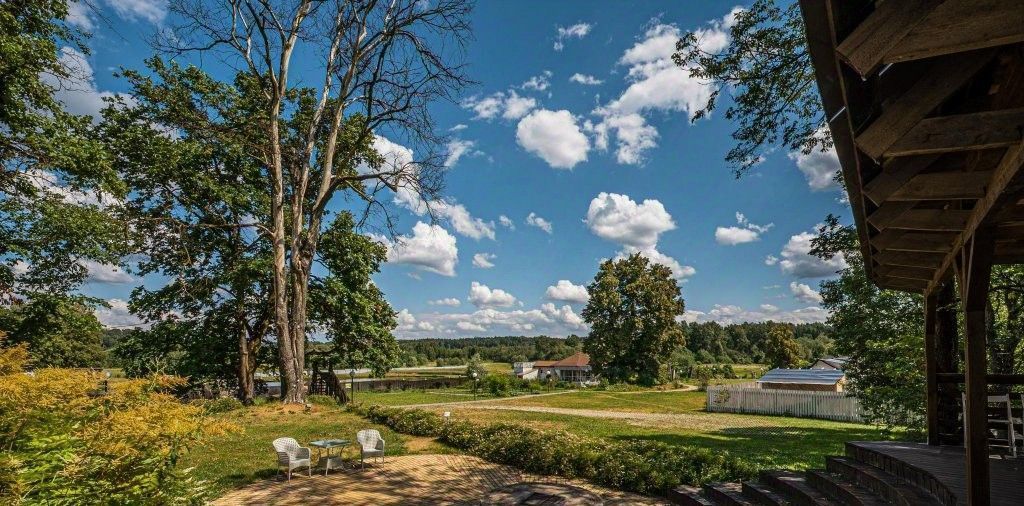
[(574, 368)]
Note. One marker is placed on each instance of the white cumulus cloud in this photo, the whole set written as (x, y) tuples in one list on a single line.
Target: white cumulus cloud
[(554, 136), (804, 293), (744, 233), (536, 221), (818, 167), (484, 260), (585, 79), (564, 290), (430, 248), (618, 218), (481, 295), (577, 31), (447, 301), (796, 260)]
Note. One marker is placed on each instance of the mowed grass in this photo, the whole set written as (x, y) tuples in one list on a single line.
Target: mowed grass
[(679, 418), (245, 454), (636, 402), (405, 397)]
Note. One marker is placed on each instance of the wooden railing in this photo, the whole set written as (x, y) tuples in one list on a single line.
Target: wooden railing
[(327, 383), (805, 404)]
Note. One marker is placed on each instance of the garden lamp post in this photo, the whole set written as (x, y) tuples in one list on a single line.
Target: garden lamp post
[(475, 385)]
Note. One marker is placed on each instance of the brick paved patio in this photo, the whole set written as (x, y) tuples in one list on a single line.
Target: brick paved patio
[(412, 479)]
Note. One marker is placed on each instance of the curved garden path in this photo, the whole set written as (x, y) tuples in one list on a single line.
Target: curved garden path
[(411, 479)]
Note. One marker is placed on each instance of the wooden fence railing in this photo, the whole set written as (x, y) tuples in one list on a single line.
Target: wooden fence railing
[(824, 405)]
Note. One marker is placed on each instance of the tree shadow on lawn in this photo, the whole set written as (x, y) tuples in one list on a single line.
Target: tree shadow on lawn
[(771, 446)]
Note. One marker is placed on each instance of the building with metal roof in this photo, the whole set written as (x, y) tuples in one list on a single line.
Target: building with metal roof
[(821, 380)]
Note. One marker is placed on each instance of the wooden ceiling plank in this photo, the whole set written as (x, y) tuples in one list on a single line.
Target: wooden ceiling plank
[(909, 258), (907, 285), (943, 186), (937, 83), (937, 242), (961, 25), (1007, 170), (961, 132), (939, 220), (887, 213), (895, 173), (880, 33), (903, 272)]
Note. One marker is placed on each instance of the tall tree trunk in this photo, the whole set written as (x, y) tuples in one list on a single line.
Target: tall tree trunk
[(246, 366)]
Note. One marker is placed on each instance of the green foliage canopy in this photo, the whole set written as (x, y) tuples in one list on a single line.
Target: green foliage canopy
[(632, 313)]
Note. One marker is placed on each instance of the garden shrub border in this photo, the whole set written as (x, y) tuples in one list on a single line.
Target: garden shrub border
[(646, 467)]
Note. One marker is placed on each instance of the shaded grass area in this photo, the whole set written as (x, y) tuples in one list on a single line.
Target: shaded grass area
[(245, 454)]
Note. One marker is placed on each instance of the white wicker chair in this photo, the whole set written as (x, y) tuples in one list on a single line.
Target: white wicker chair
[(370, 445), (292, 456)]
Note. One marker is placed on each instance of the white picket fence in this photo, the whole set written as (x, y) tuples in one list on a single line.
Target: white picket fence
[(824, 405)]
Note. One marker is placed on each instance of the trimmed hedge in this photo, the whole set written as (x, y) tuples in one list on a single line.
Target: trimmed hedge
[(646, 467)]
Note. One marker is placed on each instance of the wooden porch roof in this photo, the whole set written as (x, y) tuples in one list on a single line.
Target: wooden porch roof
[(925, 101)]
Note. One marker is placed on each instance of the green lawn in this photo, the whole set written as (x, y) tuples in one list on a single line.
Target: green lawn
[(769, 441), (403, 397), (245, 454), (643, 402)]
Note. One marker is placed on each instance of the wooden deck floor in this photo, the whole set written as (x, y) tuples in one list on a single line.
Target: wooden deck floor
[(946, 463), (412, 479)]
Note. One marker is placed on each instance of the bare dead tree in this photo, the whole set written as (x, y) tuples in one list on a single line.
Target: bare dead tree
[(378, 64)]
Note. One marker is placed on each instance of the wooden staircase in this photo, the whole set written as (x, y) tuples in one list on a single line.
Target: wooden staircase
[(327, 383), (864, 477)]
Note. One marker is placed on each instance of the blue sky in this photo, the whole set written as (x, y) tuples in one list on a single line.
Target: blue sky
[(574, 147)]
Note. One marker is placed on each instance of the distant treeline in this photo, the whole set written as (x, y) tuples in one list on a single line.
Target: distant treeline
[(490, 349), (747, 343), (706, 343)]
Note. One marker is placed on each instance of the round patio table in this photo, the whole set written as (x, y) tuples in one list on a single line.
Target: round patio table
[(329, 461)]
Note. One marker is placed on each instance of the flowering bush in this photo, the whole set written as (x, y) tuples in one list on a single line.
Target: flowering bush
[(66, 442), (639, 466)]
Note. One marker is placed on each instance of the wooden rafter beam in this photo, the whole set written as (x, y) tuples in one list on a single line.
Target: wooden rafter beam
[(936, 84), (906, 285), (904, 272), (888, 212), (895, 173), (902, 240), (910, 258), (943, 186), (939, 220), (961, 132), (960, 25), (866, 47), (1007, 170)]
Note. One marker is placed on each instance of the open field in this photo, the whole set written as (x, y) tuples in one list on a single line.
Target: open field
[(678, 418)]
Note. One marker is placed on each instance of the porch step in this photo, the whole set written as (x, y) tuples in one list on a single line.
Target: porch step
[(726, 494), (686, 495), (865, 453), (891, 488), (761, 494), (847, 493), (795, 488)]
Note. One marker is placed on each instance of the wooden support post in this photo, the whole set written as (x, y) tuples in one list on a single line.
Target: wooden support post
[(947, 350), (975, 274), (931, 369)]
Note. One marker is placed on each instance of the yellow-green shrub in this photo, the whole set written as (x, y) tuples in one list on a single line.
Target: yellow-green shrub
[(66, 442)]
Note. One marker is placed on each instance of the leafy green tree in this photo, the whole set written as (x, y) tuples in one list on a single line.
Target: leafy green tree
[(59, 331), (781, 349), (767, 69), (632, 313), (195, 202), (376, 67), (345, 303), (55, 179), (881, 331)]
